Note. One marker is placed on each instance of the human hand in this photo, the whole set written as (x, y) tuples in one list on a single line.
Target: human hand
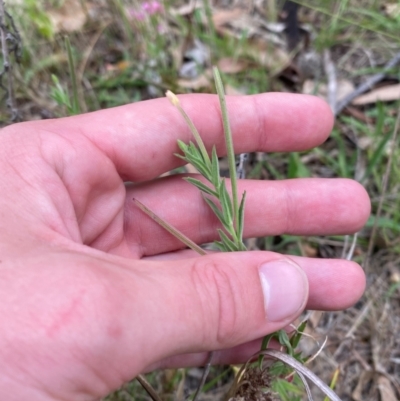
[(93, 292)]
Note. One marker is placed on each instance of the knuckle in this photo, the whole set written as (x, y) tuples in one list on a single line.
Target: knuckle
[(221, 296)]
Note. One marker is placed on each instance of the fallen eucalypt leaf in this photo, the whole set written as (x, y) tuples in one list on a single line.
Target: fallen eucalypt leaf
[(286, 377)]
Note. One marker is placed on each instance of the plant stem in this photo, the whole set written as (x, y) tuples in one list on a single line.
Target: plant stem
[(175, 101), (177, 234), (148, 387), (71, 64), (229, 145)]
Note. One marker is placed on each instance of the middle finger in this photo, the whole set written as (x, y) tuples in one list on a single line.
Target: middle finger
[(310, 206)]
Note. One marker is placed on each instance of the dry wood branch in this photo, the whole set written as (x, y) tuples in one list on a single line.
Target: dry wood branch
[(204, 376), (332, 82), (9, 36), (148, 387), (367, 85)]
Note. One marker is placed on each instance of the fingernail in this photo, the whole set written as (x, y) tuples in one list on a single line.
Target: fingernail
[(285, 289)]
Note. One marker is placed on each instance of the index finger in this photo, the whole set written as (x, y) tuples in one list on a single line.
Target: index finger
[(141, 138)]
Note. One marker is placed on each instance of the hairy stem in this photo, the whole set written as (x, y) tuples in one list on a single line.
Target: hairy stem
[(229, 145)]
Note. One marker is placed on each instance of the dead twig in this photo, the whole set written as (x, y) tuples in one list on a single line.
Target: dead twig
[(352, 248), (187, 241), (148, 387), (330, 72), (204, 376), (367, 85)]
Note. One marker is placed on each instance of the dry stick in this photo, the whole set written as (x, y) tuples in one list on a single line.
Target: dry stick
[(367, 85), (345, 244), (7, 65), (384, 187), (240, 166), (204, 376), (177, 234), (330, 72), (148, 387), (353, 247)]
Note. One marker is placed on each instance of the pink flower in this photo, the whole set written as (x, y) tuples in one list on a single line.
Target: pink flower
[(147, 8), (138, 15), (152, 7)]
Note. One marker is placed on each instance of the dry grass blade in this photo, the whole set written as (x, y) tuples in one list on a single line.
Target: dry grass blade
[(188, 242), (149, 389), (303, 370), (306, 386), (353, 247), (204, 376)]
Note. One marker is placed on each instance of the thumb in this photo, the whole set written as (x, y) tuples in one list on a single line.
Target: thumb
[(218, 301)]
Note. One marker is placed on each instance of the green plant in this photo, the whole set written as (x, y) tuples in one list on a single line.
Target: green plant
[(61, 95), (231, 215), (38, 16)]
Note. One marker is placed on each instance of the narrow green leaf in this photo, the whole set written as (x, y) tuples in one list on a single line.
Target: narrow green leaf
[(220, 246), (181, 157), (215, 178), (241, 217), (199, 166), (377, 156), (197, 183), (283, 386), (242, 246), (75, 98), (283, 339), (230, 245), (196, 161), (182, 146), (299, 356), (266, 340), (264, 345), (216, 210), (194, 151), (194, 156), (299, 333), (296, 168), (226, 203)]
